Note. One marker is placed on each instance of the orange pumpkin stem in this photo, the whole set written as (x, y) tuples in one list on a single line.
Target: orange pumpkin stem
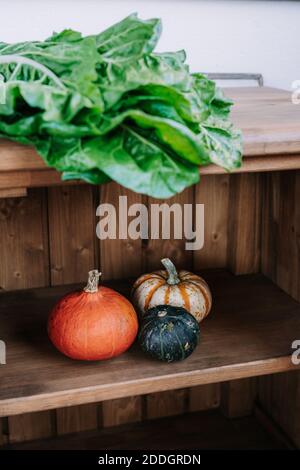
[(171, 270), (93, 281)]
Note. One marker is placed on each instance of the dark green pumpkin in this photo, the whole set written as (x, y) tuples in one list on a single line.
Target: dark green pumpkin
[(169, 333)]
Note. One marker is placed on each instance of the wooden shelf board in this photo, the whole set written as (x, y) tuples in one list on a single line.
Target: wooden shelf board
[(248, 333), (205, 430), (269, 121)]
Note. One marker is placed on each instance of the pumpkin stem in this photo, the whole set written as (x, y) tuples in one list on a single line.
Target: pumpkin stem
[(171, 270), (93, 281)]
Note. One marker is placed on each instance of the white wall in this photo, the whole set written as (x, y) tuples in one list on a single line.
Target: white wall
[(219, 36)]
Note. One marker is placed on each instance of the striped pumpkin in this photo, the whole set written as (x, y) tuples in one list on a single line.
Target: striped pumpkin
[(169, 287)]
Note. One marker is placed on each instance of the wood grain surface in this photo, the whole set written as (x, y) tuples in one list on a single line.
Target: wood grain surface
[(25, 263), (244, 255), (238, 396), (120, 258), (73, 250), (280, 396), (77, 419), (30, 426), (72, 234), (206, 430), (213, 192), (247, 310), (24, 253), (244, 223)]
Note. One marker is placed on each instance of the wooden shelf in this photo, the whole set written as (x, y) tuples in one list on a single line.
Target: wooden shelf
[(248, 333), (271, 133), (206, 430)]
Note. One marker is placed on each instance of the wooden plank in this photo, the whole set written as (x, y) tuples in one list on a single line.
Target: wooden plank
[(288, 249), (268, 119), (165, 404), (73, 253), (280, 261), (2, 437), (13, 192), (40, 378), (33, 179), (213, 192), (204, 397), (272, 428), (280, 234), (16, 156), (3, 431), (77, 419), (172, 248), (279, 397), (21, 179), (169, 403), (237, 398), (72, 234), (270, 224), (244, 224), (120, 258), (244, 234), (258, 164), (24, 247), (24, 263), (157, 384), (122, 411), (205, 430), (29, 426)]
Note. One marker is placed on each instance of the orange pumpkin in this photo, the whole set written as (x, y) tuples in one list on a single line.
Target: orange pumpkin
[(169, 287), (94, 324)]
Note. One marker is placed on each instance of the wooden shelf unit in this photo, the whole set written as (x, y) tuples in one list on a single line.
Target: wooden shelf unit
[(252, 230)]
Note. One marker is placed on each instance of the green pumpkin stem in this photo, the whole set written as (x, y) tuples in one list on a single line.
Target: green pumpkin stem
[(93, 281), (171, 270)]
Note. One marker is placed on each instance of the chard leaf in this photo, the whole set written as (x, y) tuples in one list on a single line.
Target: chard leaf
[(127, 157), (221, 105), (93, 176), (108, 107), (135, 162), (128, 40), (181, 140), (153, 69), (223, 142), (74, 64)]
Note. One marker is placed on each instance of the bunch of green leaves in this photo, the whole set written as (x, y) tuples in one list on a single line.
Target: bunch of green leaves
[(106, 107)]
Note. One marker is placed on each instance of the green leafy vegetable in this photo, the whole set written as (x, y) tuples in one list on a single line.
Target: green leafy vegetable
[(106, 107), (128, 40)]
